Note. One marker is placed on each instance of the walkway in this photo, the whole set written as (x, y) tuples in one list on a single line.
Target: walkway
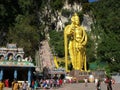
[(81, 86), (91, 86)]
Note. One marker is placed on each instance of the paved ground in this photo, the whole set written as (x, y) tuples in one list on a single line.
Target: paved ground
[(81, 86), (91, 86)]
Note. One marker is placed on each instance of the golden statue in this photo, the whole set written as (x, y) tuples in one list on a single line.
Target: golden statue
[(75, 39)]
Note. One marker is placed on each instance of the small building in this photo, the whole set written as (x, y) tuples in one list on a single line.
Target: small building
[(13, 66)]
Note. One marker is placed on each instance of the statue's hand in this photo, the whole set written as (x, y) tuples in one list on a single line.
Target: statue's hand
[(79, 48), (71, 31)]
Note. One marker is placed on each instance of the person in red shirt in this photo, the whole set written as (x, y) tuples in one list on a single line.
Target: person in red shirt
[(7, 83), (60, 82)]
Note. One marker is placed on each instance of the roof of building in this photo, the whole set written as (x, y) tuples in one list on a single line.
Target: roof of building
[(6, 63)]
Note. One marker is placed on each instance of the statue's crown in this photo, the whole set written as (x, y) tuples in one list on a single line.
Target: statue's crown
[(74, 17)]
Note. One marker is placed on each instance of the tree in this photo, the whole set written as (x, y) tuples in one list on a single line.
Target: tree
[(106, 26), (19, 24), (56, 4), (8, 11), (24, 35), (57, 42)]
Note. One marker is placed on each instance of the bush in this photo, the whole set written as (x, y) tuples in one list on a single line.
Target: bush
[(80, 81)]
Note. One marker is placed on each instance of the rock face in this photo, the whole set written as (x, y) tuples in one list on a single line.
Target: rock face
[(87, 21), (75, 7), (61, 20)]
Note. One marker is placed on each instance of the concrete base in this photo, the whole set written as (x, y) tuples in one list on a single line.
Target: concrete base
[(74, 73), (79, 75)]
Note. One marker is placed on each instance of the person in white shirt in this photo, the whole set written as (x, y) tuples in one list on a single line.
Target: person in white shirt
[(86, 81)]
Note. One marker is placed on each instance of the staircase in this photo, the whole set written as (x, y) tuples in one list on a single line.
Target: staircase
[(46, 55)]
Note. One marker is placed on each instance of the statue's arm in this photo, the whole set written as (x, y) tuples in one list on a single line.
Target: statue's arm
[(68, 30)]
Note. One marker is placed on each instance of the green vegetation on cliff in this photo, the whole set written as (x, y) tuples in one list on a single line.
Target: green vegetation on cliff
[(106, 27)]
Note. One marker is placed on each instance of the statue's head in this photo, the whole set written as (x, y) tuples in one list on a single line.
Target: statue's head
[(75, 19)]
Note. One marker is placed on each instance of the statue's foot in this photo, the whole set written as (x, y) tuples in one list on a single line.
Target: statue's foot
[(87, 70), (81, 70)]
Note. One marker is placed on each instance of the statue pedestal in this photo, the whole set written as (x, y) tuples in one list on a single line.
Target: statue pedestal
[(75, 73), (79, 75)]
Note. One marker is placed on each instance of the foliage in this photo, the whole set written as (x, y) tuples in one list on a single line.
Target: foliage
[(90, 48), (107, 16), (106, 28), (8, 11), (78, 1), (80, 14), (56, 4), (81, 81), (24, 34), (19, 24), (86, 7), (66, 13), (57, 42)]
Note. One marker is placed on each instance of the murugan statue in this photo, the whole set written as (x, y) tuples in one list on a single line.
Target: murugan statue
[(75, 39)]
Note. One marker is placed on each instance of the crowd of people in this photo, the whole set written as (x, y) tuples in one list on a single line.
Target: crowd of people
[(35, 84), (51, 83), (15, 85), (46, 83)]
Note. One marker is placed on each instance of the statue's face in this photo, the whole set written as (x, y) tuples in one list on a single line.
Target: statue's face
[(77, 21)]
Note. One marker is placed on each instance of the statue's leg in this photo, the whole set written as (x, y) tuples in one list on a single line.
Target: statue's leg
[(78, 63), (82, 60), (71, 52)]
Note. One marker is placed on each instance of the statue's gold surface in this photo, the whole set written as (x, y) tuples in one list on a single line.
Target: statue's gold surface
[(55, 62), (75, 39)]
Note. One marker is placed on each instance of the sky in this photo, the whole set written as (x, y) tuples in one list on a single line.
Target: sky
[(91, 0)]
